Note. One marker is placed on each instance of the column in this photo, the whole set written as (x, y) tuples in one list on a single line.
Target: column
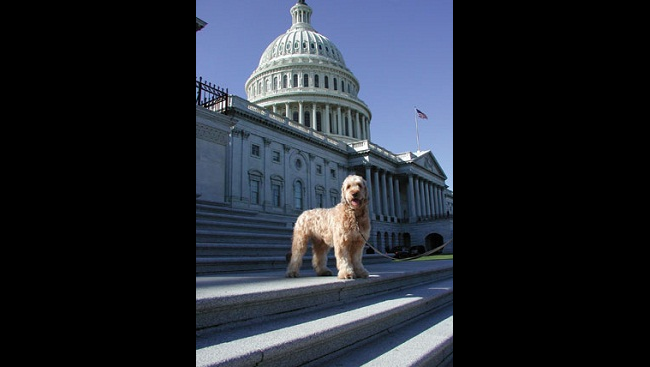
[(398, 201), (326, 120), (442, 200), (237, 157), (357, 126), (370, 191), (350, 122), (384, 196), (418, 198), (288, 185), (427, 201), (338, 123), (266, 182), (287, 111), (245, 158), (313, 116), (368, 129), (301, 118), (391, 201), (311, 188), (434, 210), (376, 191), (410, 190)]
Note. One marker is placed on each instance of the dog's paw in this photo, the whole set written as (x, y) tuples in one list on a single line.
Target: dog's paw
[(291, 274), (346, 275), (363, 273)]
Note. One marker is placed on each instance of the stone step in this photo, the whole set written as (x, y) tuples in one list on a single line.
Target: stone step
[(239, 219), (323, 329), (224, 299), (226, 236), (247, 226), (241, 249), (426, 340), (226, 264), (209, 207)]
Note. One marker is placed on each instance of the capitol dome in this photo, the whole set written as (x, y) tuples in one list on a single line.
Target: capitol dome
[(302, 75)]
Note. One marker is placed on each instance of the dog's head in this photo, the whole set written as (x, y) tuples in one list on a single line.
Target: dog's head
[(354, 192)]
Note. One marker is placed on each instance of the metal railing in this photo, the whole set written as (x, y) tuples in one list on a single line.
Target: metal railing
[(211, 96)]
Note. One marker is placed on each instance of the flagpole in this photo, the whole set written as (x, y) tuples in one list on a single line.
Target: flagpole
[(416, 127)]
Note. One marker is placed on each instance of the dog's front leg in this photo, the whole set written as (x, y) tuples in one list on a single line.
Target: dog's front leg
[(357, 255), (343, 260)]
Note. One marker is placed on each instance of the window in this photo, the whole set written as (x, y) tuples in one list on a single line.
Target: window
[(255, 150), (307, 121), (276, 156), (275, 83), (275, 189), (298, 164), (335, 84), (318, 123), (320, 196), (295, 116), (284, 81), (295, 80), (333, 173), (305, 80), (255, 192), (316, 81), (319, 169), (297, 195), (342, 86), (327, 82), (334, 197)]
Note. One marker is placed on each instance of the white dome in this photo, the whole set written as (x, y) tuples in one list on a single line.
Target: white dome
[(304, 42), (302, 75)]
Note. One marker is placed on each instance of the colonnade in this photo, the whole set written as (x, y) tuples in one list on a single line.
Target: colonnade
[(334, 119), (424, 199)]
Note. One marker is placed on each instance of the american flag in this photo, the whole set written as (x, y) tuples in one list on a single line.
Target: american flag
[(421, 114)]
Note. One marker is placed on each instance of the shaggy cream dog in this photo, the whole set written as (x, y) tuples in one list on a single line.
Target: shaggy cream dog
[(344, 227)]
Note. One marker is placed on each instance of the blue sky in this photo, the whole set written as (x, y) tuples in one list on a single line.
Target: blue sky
[(400, 51)]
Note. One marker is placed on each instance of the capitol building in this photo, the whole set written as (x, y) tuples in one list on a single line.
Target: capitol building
[(300, 130)]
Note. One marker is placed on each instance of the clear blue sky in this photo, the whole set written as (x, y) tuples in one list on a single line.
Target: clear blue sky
[(400, 51)]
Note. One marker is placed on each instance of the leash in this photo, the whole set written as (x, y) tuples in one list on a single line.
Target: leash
[(407, 258)]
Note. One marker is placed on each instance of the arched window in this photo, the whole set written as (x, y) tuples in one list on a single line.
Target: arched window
[(295, 80), (297, 195), (327, 82), (284, 81), (335, 84), (307, 121), (305, 80), (295, 116), (275, 82), (316, 81)]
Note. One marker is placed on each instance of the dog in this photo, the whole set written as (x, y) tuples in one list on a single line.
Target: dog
[(346, 227)]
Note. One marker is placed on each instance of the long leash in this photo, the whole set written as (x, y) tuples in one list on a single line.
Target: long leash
[(406, 258)]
